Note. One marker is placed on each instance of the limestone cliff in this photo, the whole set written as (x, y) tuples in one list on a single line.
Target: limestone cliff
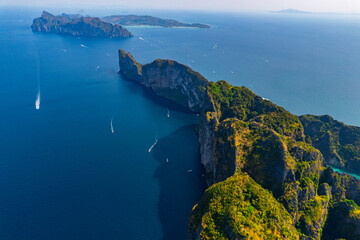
[(266, 180), (169, 79), (234, 209), (129, 67), (338, 142), (78, 26)]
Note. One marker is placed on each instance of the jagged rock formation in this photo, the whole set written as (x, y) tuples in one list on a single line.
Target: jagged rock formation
[(129, 67), (135, 20), (265, 141), (266, 181), (339, 143), (168, 79), (78, 26), (240, 201)]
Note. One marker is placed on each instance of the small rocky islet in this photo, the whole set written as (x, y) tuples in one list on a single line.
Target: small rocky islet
[(266, 169)]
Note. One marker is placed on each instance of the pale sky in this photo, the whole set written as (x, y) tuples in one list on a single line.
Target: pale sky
[(349, 6)]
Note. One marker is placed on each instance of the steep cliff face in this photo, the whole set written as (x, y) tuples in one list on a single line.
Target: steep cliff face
[(129, 67), (237, 106), (343, 220), (168, 79), (289, 169), (207, 128), (246, 134), (78, 26), (266, 181), (338, 142)]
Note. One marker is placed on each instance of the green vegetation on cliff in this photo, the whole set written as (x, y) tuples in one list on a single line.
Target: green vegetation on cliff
[(239, 208), (347, 213), (339, 143), (243, 104), (267, 180), (255, 137)]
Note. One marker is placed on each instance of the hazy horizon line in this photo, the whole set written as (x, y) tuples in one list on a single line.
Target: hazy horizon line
[(126, 8)]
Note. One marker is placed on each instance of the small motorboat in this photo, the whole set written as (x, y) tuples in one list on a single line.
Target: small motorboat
[(190, 171)]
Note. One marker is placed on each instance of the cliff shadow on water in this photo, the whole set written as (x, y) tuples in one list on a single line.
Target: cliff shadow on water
[(179, 189), (149, 94)]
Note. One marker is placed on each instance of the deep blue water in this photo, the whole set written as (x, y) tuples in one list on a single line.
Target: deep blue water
[(65, 175)]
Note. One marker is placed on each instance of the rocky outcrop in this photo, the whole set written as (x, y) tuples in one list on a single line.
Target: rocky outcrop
[(343, 221), (176, 82), (78, 26), (129, 67), (338, 142), (207, 127), (239, 208), (168, 79), (265, 178)]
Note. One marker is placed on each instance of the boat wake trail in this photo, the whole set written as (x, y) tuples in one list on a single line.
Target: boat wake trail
[(144, 39), (152, 44), (111, 124), (152, 146), (82, 45), (168, 113), (37, 101)]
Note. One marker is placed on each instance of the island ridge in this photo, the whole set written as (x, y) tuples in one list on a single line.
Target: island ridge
[(266, 179)]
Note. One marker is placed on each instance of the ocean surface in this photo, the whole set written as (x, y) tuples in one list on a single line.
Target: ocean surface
[(342, 171), (102, 158)]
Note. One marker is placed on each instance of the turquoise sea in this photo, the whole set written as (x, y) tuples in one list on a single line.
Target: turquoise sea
[(342, 171), (91, 162)]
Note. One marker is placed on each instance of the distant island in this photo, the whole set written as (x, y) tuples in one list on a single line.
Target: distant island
[(267, 170), (291, 11), (77, 25), (135, 20)]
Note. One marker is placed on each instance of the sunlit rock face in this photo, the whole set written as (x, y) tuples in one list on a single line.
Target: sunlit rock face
[(169, 79)]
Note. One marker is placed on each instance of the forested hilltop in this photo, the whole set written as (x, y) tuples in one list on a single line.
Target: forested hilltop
[(266, 179)]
